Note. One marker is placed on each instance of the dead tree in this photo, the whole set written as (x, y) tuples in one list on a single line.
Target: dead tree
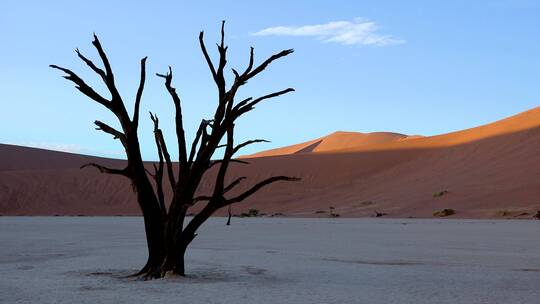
[(167, 236), (229, 215)]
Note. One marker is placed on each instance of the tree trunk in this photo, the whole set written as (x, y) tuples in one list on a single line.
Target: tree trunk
[(154, 228), (169, 239), (174, 263), (154, 219)]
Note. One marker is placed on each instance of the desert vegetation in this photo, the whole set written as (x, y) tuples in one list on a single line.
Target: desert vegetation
[(444, 212), (333, 212), (380, 214), (251, 213), (440, 193)]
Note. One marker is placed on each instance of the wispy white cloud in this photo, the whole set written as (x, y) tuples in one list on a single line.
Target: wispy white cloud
[(356, 32)]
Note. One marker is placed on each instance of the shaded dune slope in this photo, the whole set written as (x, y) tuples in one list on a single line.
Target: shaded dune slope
[(488, 172)]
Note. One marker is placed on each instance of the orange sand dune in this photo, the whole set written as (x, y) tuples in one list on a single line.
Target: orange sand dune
[(520, 122), (491, 171), (336, 141)]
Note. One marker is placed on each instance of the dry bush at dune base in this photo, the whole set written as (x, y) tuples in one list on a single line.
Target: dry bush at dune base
[(444, 213)]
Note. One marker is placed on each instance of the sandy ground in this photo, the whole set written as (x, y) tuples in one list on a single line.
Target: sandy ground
[(273, 260)]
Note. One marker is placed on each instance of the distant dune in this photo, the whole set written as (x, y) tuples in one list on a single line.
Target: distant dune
[(336, 141), (492, 171)]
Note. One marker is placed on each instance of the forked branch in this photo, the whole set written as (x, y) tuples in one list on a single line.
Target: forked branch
[(201, 136), (267, 62), (89, 63), (104, 59), (83, 87), (248, 104), (158, 170), (180, 134), (163, 149)]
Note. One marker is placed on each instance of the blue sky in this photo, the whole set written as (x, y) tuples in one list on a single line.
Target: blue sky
[(414, 67)]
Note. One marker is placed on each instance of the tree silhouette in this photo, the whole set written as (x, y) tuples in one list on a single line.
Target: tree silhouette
[(167, 236)]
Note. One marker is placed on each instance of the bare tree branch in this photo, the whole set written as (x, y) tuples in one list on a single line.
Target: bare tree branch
[(250, 105), (242, 79), (201, 198), (139, 93), (222, 58), (107, 170), (83, 87), (239, 80), (104, 59), (108, 129), (257, 187), (267, 62), (153, 175), (219, 161), (115, 104), (206, 56), (219, 78), (249, 142), (182, 154), (250, 65), (222, 50), (201, 133), (158, 170), (242, 103), (233, 184), (88, 62), (159, 137), (220, 178), (225, 190)]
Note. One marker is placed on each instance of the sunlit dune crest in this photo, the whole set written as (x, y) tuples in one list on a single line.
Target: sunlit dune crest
[(336, 141), (355, 141)]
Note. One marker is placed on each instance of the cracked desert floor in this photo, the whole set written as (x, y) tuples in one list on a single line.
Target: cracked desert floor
[(275, 260)]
